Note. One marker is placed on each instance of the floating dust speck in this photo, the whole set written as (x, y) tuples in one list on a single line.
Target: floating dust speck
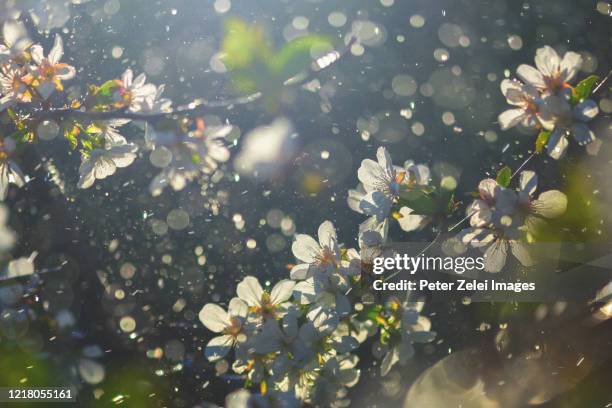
[(300, 23), (222, 6), (251, 243), (159, 227), (418, 128), (275, 243), (448, 183), (127, 270), (604, 8), (177, 219), (404, 85), (450, 34), (417, 21), (91, 371), (47, 130), (448, 118), (127, 324), (441, 54), (274, 218), (112, 7), (116, 52), (515, 42), (336, 19), (160, 157), (490, 136)]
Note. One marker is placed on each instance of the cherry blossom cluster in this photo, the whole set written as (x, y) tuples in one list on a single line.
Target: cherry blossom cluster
[(32, 81)]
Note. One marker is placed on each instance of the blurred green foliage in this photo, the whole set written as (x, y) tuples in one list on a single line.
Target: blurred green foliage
[(255, 66)]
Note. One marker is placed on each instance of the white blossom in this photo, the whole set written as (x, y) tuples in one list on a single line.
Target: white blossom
[(230, 324)]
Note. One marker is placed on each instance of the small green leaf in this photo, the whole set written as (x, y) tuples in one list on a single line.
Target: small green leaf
[(420, 201), (504, 176), (584, 88), (542, 140), (72, 133)]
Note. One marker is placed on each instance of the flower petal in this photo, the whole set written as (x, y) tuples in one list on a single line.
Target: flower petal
[(528, 181), (327, 235), (214, 317), (495, 256), (282, 291), (582, 134), (531, 75), (300, 272), (550, 204), (557, 144), (56, 53), (384, 160), (520, 252), (305, 248), (411, 222), (250, 291), (511, 118), (237, 308), (570, 65), (586, 110), (547, 61), (218, 347)]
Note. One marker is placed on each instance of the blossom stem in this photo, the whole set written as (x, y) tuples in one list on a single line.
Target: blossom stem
[(198, 107)]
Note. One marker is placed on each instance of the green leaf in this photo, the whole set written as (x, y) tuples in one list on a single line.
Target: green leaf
[(72, 133), (242, 44), (584, 88), (504, 176), (421, 201), (542, 140), (295, 56)]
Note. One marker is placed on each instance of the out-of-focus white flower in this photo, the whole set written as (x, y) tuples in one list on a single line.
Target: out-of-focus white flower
[(14, 88), (103, 162), (190, 156), (526, 99), (321, 257), (570, 121), (10, 173), (262, 304), (16, 42), (325, 290), (271, 399), (140, 96), (230, 324), (371, 246), (49, 72), (495, 242), (553, 73), (494, 205), (549, 204), (20, 267), (7, 236), (413, 328), (336, 374), (266, 149)]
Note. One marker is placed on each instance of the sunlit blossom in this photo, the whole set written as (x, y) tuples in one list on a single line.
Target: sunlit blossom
[(103, 162), (10, 173), (552, 73), (230, 324), (263, 304), (49, 72)]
